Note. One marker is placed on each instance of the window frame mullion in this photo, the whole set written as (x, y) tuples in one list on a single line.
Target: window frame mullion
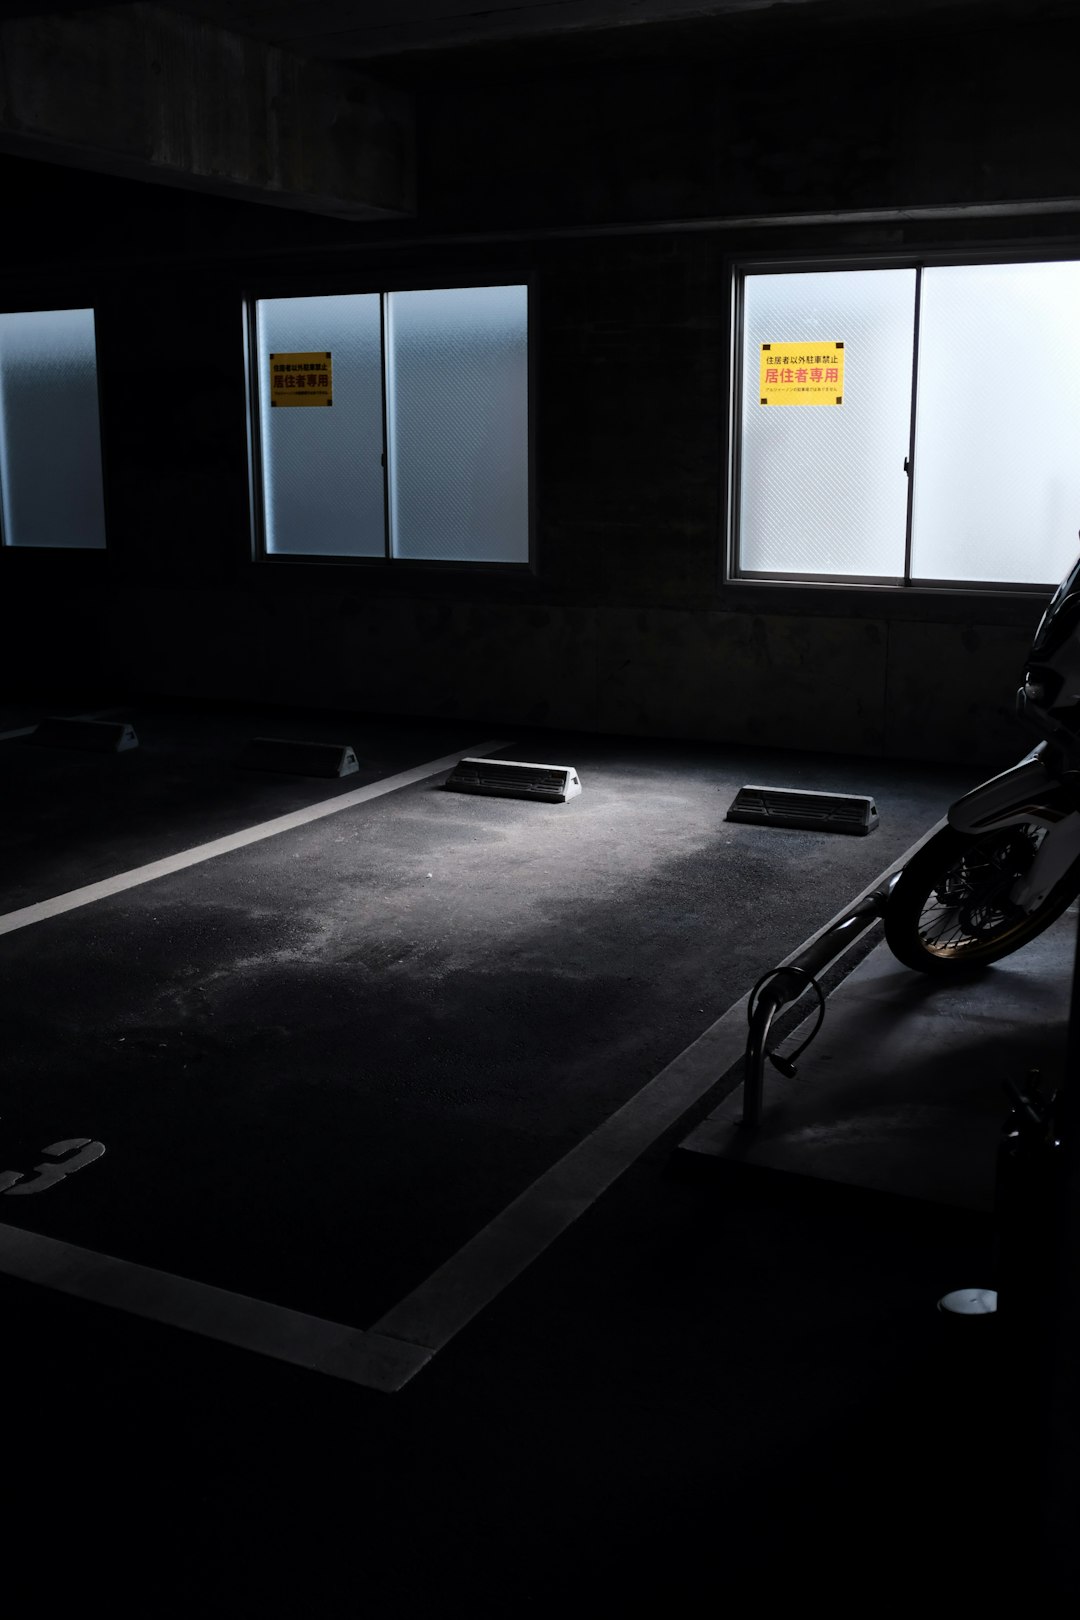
[(911, 426), (384, 380)]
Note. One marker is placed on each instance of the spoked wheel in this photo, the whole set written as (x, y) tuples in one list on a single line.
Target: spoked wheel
[(950, 911)]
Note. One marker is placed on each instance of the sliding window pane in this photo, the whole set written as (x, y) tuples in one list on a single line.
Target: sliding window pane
[(457, 409), (997, 448), (822, 486), (322, 469), (50, 433)]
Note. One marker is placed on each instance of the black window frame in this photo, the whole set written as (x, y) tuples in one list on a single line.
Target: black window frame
[(40, 303), (386, 566), (739, 267)]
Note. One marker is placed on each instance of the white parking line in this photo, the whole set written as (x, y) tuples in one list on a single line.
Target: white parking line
[(386, 1356), (74, 898), (25, 731), (249, 1324)]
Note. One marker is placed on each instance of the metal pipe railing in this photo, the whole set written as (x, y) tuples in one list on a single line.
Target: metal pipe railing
[(789, 982)]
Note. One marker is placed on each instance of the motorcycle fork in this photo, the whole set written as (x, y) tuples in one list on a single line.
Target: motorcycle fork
[(1035, 791), (1057, 854)]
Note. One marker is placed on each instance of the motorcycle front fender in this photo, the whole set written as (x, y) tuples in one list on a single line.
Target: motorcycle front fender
[(1025, 792), (1028, 792)]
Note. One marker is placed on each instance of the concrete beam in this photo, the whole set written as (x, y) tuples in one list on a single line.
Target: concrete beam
[(146, 93)]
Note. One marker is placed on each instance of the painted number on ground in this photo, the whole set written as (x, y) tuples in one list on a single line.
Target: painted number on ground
[(74, 1153)]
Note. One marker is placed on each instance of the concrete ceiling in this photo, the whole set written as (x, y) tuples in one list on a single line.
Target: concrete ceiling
[(309, 104), (361, 30), (367, 30)]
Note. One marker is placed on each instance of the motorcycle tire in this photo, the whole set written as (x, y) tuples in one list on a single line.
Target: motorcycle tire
[(949, 915)]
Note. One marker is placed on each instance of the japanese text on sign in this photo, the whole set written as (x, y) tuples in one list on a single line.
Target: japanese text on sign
[(802, 374), (302, 379)]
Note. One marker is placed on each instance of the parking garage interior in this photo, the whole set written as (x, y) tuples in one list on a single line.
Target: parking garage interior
[(661, 399)]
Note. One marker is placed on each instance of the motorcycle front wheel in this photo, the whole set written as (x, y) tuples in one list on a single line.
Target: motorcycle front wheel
[(950, 911)]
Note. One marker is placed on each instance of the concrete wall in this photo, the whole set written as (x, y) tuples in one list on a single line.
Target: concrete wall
[(627, 625)]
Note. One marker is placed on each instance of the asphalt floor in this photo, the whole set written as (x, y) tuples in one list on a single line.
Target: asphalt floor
[(320, 1063)]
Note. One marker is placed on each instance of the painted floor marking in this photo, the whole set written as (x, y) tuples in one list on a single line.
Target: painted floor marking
[(386, 1356), (249, 1324), (74, 1152), (26, 731), (74, 898)]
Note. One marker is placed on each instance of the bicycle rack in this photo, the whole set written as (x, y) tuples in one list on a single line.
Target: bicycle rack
[(792, 979)]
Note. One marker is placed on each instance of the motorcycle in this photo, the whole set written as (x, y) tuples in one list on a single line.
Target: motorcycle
[(1007, 865)]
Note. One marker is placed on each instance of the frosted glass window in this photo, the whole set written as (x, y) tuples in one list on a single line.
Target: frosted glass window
[(457, 416), (322, 470), (50, 433), (997, 448), (822, 487)]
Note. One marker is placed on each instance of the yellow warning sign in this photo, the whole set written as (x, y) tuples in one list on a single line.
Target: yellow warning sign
[(302, 379), (802, 374)]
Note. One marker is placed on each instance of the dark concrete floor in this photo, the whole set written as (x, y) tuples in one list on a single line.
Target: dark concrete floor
[(904, 1088), (337, 1066), (72, 818)]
